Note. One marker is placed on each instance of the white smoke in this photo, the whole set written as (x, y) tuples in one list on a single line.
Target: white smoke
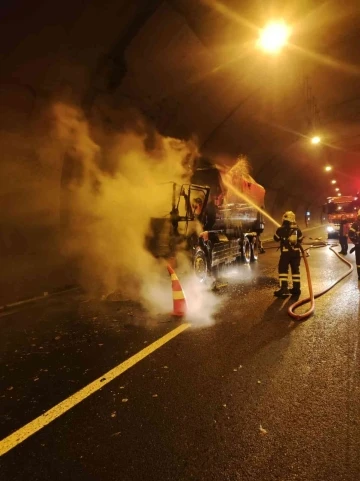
[(111, 189)]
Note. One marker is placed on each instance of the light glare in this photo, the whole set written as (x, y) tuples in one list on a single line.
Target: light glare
[(333, 181), (328, 168), (315, 140), (274, 36)]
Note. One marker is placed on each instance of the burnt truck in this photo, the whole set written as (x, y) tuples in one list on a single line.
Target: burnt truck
[(215, 219)]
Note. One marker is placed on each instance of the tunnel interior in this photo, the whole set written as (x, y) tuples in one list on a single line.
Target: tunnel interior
[(101, 96)]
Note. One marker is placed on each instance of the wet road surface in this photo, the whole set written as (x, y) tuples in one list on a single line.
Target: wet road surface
[(253, 395)]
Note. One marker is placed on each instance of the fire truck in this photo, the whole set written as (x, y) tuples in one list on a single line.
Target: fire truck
[(335, 208), (214, 219)]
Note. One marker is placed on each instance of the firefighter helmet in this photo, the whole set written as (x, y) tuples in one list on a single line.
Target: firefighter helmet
[(289, 216)]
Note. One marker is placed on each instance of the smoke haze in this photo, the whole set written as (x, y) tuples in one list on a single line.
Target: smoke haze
[(110, 191), (77, 200)]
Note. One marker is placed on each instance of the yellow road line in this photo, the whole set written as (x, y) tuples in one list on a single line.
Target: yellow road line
[(32, 427)]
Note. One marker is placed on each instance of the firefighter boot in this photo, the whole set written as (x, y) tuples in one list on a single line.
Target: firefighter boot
[(283, 291), (295, 290)]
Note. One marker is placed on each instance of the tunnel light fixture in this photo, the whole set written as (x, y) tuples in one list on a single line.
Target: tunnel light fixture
[(333, 181), (315, 140), (274, 37), (337, 189), (339, 193), (328, 168)]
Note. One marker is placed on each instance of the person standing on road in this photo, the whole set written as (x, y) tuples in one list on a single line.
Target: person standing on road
[(290, 237), (354, 235), (344, 234)]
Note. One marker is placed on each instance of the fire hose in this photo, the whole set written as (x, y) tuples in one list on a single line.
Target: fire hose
[(312, 297)]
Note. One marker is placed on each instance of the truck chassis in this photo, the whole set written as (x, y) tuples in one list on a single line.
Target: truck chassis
[(236, 241)]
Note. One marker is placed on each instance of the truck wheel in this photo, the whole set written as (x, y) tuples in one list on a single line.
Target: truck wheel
[(246, 251), (200, 265), (254, 249)]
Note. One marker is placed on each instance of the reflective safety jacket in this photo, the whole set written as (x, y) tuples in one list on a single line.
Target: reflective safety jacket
[(354, 232), (290, 237)]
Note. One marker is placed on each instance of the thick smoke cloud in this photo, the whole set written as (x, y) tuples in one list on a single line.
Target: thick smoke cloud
[(111, 189), (78, 193)]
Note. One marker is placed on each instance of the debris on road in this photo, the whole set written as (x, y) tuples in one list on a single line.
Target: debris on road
[(262, 430)]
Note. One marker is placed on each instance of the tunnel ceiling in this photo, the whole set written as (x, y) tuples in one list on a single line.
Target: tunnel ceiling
[(193, 68)]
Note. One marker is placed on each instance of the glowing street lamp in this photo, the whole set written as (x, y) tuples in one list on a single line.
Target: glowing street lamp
[(274, 37), (328, 168), (339, 193), (333, 181), (337, 189), (315, 140)]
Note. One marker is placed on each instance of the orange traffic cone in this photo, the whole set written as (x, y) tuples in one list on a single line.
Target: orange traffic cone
[(172, 262), (179, 300)]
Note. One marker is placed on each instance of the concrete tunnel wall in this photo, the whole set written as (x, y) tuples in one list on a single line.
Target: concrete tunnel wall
[(47, 64)]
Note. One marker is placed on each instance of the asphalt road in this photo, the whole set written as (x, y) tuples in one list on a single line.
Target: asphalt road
[(251, 395)]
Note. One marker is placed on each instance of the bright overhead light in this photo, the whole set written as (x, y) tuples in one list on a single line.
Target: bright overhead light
[(339, 193), (274, 36), (337, 189), (328, 168), (333, 181), (315, 140)]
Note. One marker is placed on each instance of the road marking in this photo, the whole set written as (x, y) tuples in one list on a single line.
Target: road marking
[(13, 307), (32, 427)]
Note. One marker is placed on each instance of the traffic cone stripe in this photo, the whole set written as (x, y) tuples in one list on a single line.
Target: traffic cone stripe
[(176, 286), (177, 295), (170, 270), (179, 301)]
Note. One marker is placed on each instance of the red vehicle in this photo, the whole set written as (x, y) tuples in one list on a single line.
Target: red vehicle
[(335, 208)]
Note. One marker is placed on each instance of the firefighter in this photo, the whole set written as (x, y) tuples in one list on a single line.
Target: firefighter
[(354, 235), (290, 236), (343, 235)]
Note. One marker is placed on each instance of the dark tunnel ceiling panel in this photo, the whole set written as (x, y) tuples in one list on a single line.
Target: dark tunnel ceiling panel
[(243, 107), (174, 60)]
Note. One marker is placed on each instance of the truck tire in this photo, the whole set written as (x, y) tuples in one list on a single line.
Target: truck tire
[(254, 249), (200, 265), (246, 251)]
